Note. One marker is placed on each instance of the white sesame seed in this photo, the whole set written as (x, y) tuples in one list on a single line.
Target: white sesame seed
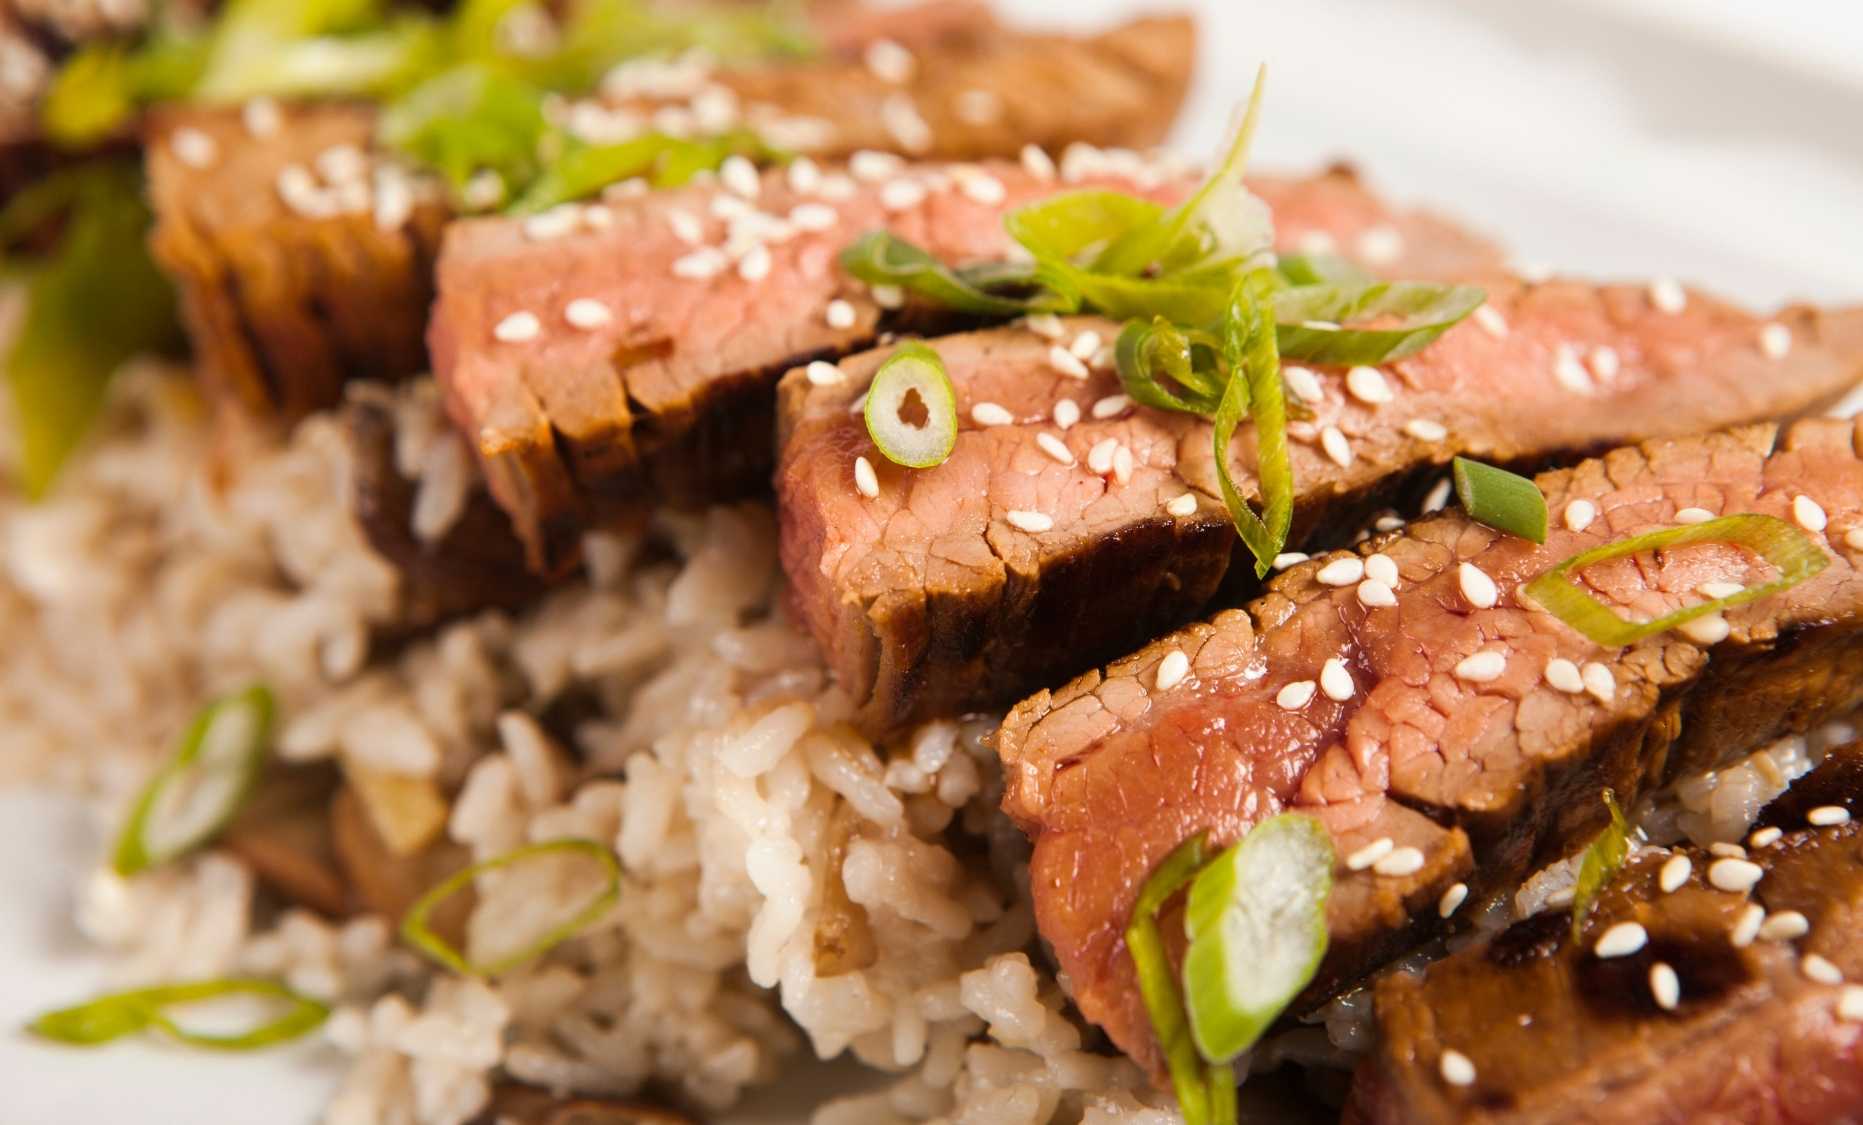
[(888, 296), (1066, 413), (1693, 515), (518, 328), (1172, 669), (1747, 926), (1599, 681), (341, 164), (900, 114), (1304, 383), (1368, 385), (1388, 522), (1438, 496), (1452, 900), (804, 175), (1786, 925), (551, 224), (703, 263), (485, 189), (1294, 696), (686, 227), (1563, 675), (1850, 1004), (1492, 322), (1775, 340), (1371, 853), (194, 148), (1100, 457), (1037, 163), (1854, 538), (888, 61), (813, 216), (1674, 873), (1336, 446), (1482, 668), (1404, 861), (1765, 837), (1727, 850), (1380, 245), (1579, 514), (1456, 1068), (840, 314), (1569, 372), (1808, 513), (981, 187), (261, 117), (1055, 448), (823, 374), (1336, 680), (1708, 629), (1085, 345), (1665, 986), (1373, 594), (1046, 325), (1032, 522), (1382, 567), (1345, 571), (754, 266), (873, 166), (1819, 968), (739, 176), (990, 414), (865, 479), (1621, 940), (1066, 362), (394, 198), (1122, 464), (1735, 876), (1604, 363), (1719, 589), (837, 186), (1668, 296), (1423, 429), (586, 313), (1827, 816), (596, 216), (978, 107), (1184, 504), (1290, 558), (1481, 591)]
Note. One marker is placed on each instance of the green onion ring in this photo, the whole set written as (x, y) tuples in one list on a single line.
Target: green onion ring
[(193, 796), (125, 1013), (1502, 500), (416, 931), (913, 368), (1201, 1089)]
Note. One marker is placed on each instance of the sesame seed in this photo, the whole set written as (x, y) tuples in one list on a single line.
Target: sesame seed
[(813, 216), (1438, 496), (1456, 1068), (1368, 385), (1085, 345), (754, 266), (1819, 968), (1371, 853), (1294, 696), (1336, 446), (1735, 876), (1579, 514), (990, 414), (823, 374), (394, 198), (1708, 629), (1388, 522), (1808, 514), (1726, 850), (804, 175), (1304, 383), (1046, 325), (840, 314), (888, 296), (837, 186), (1765, 837), (1482, 667), (1719, 589), (517, 328), (1122, 464), (904, 123), (1481, 591), (485, 189), (1827, 816), (1604, 363), (1037, 163), (1854, 538), (1336, 680), (261, 117), (1668, 296), (1674, 873), (1380, 245), (1747, 926), (702, 263), (1172, 669), (1373, 594), (341, 164), (981, 187), (1111, 406), (1100, 457), (1599, 681), (1382, 567), (595, 216), (1563, 675), (1786, 925), (1033, 522), (1066, 413), (1569, 372), (1290, 558), (888, 61), (546, 225), (586, 313), (1184, 504), (1693, 515), (194, 148), (1066, 362), (1665, 986), (1850, 1004), (873, 166), (1403, 861), (865, 479), (1344, 571), (1452, 900), (978, 107), (1775, 340), (902, 194), (739, 176), (1423, 429), (1492, 322), (686, 227), (1621, 940), (1055, 448)]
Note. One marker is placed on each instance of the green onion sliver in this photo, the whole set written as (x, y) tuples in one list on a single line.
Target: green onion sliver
[(1255, 386), (416, 931), (193, 796), (1604, 857), (1205, 1093), (1502, 500), (1256, 920), (1790, 551), (1316, 321), (126, 1013), (913, 373), (880, 258)]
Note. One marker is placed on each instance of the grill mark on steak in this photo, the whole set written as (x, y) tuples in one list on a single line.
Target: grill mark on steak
[(1515, 763)]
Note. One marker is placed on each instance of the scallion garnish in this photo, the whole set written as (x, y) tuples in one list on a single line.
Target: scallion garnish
[(198, 790), (1790, 551), (1502, 500), (1408, 316), (1320, 269), (1202, 1089), (1604, 857), (911, 408), (125, 1013), (1167, 368), (417, 932), (880, 258), (1255, 385)]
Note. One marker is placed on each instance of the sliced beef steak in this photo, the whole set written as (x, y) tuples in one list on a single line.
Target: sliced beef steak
[(1555, 1033), (695, 302), (1037, 549), (1480, 737)]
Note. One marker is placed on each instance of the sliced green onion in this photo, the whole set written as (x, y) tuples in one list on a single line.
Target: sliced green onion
[(1604, 857), (466, 120), (1321, 269), (1422, 311), (915, 372), (1148, 354), (880, 258), (191, 798), (112, 1017), (1075, 224), (417, 932), (1256, 920), (1502, 500), (1794, 554), (1205, 1093), (1255, 386)]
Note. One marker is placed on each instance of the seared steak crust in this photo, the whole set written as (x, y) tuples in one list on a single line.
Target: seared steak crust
[(1487, 771)]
